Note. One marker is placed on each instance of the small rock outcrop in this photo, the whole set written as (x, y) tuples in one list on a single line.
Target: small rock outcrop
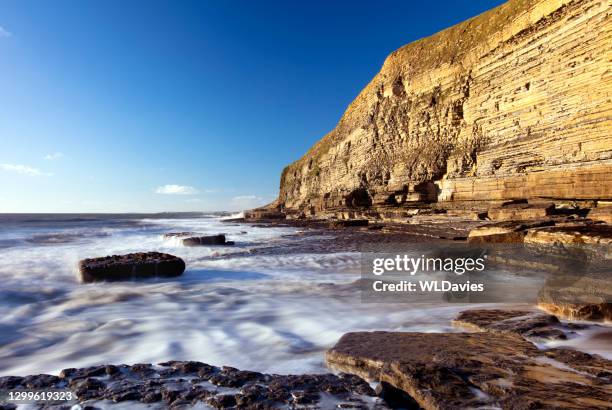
[(207, 240), (476, 370), (131, 266)]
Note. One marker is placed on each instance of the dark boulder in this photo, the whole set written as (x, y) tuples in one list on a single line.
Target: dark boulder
[(207, 240), (345, 223), (131, 266)]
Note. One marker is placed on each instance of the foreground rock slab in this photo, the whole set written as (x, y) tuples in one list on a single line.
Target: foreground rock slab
[(182, 384), (131, 266), (470, 370), (346, 223)]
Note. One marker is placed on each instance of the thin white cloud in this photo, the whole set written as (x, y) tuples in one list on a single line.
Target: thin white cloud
[(54, 156), (242, 202), (4, 32), (173, 189), (23, 169), (193, 200)]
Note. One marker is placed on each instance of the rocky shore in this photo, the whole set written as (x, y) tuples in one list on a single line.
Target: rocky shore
[(499, 358), (495, 365)]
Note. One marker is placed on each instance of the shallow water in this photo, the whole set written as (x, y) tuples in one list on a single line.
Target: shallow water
[(269, 312)]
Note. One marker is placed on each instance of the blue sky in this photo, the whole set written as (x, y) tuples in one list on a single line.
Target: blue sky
[(147, 106)]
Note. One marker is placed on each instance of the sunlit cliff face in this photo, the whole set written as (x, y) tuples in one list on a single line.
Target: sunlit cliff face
[(510, 104)]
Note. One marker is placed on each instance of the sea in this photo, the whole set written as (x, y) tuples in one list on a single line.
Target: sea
[(254, 306)]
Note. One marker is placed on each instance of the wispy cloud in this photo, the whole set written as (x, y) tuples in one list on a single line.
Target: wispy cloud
[(4, 32), (23, 169), (54, 156), (176, 190), (242, 202)]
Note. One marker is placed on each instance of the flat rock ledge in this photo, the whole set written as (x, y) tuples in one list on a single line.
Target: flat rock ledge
[(131, 266), (472, 370), (183, 384), (529, 324)]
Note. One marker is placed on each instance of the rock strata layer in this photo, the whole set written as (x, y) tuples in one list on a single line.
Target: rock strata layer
[(131, 266), (511, 104), (476, 370)]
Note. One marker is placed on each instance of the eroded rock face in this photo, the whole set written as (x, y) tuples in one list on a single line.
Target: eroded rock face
[(131, 266), (187, 383), (470, 370), (510, 104)]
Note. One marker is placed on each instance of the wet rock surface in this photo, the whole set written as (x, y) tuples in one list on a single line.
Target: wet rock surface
[(470, 370), (525, 323), (182, 384), (218, 239), (131, 266)]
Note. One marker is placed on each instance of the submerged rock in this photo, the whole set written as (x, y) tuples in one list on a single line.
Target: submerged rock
[(207, 240), (131, 266), (469, 370)]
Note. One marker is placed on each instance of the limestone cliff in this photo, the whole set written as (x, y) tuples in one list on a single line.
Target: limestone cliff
[(514, 103)]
